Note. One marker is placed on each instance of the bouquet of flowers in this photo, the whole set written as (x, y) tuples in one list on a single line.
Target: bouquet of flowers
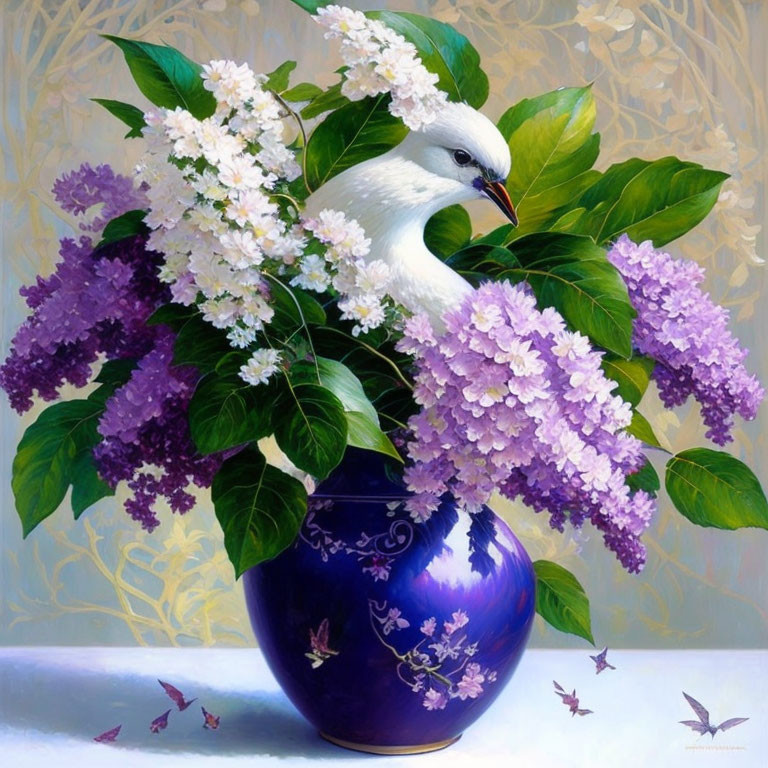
[(207, 305)]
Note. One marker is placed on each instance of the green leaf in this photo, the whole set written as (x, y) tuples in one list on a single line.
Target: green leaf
[(443, 51), (114, 373), (355, 132), (645, 479), (293, 307), (54, 453), (713, 489), (497, 236), (657, 201), (198, 343), (128, 224), (642, 430), (363, 432), (302, 92), (539, 213), (561, 600), (448, 231), (260, 509), (279, 79), (87, 486), (567, 272), (633, 376), (551, 142), (173, 315), (225, 412), (310, 427), (325, 102), (132, 116), (339, 379), (166, 76)]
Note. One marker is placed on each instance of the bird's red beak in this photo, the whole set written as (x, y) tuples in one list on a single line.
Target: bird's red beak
[(496, 191)]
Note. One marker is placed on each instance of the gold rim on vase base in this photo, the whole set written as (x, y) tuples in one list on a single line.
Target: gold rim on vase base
[(385, 750)]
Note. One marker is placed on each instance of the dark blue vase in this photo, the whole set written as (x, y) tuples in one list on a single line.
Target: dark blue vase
[(392, 636)]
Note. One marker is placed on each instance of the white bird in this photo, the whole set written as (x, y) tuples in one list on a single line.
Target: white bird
[(459, 157)]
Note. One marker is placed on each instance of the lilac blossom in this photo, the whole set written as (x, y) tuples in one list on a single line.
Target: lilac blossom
[(95, 306), (79, 191), (512, 400), (686, 333)]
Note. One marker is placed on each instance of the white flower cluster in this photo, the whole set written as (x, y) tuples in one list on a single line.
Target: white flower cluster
[(213, 215), (362, 285), (382, 61)]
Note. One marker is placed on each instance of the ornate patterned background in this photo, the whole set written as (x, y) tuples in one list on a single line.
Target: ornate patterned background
[(683, 77)]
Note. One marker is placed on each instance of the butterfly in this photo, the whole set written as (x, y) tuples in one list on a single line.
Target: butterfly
[(109, 735), (160, 723), (600, 662), (176, 695), (211, 721), (570, 700), (319, 645), (702, 725)]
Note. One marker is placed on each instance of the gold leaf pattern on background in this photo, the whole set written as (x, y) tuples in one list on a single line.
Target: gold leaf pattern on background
[(682, 77)]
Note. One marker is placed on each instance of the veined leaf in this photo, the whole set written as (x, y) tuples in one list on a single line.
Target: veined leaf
[(645, 479), (355, 132), (225, 412), (132, 116), (714, 489), (279, 79), (198, 343), (561, 600), (443, 51), (128, 224), (642, 430), (550, 141), (657, 201), (166, 76), (567, 272), (327, 101), (259, 508), (302, 92), (54, 453), (293, 307), (633, 376), (310, 427), (363, 430)]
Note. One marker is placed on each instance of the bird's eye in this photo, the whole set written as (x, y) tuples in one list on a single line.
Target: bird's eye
[(461, 157)]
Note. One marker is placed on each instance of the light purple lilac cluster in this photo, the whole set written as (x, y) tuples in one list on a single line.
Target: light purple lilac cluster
[(79, 191), (95, 306), (512, 400), (687, 334)]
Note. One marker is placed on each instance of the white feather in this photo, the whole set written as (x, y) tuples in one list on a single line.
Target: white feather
[(393, 196)]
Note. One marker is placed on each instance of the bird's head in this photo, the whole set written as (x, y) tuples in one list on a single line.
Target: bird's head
[(464, 146)]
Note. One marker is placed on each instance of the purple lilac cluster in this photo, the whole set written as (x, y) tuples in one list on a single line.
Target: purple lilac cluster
[(146, 436), (687, 334), (78, 191), (512, 400), (95, 306)]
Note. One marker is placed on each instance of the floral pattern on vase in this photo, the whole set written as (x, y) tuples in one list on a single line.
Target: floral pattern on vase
[(422, 669), (405, 657)]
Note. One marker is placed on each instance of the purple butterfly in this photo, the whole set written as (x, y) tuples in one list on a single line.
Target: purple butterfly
[(600, 662), (702, 725), (318, 642), (176, 695), (108, 736), (211, 721), (570, 700), (160, 723)]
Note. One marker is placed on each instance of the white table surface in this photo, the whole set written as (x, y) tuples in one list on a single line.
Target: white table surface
[(53, 701)]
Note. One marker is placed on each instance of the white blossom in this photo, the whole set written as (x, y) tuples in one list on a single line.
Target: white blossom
[(262, 364)]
